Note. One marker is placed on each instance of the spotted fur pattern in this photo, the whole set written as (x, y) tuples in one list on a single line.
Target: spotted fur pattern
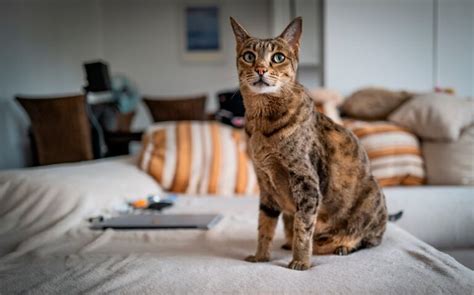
[(310, 170)]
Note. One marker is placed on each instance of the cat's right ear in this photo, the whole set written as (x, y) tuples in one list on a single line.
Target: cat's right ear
[(292, 33), (240, 33)]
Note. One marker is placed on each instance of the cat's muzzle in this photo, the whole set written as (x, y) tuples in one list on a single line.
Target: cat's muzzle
[(260, 82)]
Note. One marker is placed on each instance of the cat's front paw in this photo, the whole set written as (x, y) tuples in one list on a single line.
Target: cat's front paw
[(255, 258), (299, 265)]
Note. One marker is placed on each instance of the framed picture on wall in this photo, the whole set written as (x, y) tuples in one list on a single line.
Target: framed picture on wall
[(202, 36)]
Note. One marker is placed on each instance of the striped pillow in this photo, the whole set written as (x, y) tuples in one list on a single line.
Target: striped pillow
[(394, 152), (196, 157)]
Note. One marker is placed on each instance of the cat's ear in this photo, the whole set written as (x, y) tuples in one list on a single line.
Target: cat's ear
[(292, 33), (240, 33)]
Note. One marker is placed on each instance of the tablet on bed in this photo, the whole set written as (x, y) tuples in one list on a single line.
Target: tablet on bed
[(159, 221)]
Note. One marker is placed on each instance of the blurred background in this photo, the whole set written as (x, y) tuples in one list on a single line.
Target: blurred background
[(169, 49)]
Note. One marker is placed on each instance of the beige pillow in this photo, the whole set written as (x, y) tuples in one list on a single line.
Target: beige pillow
[(435, 116), (373, 103), (451, 162)]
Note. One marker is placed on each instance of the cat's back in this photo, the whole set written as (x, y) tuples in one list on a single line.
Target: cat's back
[(342, 149)]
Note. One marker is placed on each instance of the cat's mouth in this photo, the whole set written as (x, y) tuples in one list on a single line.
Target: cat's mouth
[(260, 82)]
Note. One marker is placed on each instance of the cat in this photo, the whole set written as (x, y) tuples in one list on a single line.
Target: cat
[(310, 170)]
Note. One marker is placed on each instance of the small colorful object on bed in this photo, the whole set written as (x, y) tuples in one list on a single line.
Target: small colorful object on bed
[(154, 202)]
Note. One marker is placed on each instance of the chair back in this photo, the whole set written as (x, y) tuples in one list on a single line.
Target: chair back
[(60, 128)]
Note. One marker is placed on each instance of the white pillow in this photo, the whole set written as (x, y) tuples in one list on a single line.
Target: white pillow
[(451, 163), (435, 116)]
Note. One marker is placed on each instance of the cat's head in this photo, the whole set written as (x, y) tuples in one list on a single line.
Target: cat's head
[(267, 65)]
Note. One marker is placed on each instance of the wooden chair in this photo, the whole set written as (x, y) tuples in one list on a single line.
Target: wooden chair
[(60, 128), (176, 108)]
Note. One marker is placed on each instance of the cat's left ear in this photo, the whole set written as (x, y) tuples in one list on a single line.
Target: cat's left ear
[(292, 33), (240, 33)]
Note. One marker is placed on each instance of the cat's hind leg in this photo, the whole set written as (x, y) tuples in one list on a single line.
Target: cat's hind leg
[(367, 242), (338, 245), (343, 251), (371, 241)]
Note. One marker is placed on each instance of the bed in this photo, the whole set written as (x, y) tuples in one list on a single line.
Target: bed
[(47, 247)]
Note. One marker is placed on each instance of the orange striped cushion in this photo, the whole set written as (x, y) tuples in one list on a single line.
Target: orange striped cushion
[(197, 157), (394, 152)]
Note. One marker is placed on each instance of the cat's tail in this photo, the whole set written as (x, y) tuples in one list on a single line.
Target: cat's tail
[(396, 216)]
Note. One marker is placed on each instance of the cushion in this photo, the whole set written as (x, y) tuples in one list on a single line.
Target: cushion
[(327, 102), (435, 116), (373, 103), (330, 110), (61, 129), (326, 95), (231, 108), (176, 108), (198, 158), (451, 163), (394, 152)]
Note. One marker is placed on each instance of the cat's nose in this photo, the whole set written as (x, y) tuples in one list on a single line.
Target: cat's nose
[(261, 70)]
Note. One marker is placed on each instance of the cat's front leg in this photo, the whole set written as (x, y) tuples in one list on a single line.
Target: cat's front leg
[(302, 241), (267, 221), (306, 194)]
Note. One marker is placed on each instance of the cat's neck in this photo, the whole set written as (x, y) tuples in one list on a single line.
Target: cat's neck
[(265, 111), (270, 106)]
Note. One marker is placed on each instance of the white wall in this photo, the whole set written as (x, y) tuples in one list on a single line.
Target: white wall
[(378, 42), (143, 39), (455, 45), (399, 44), (42, 47), (310, 64), (43, 44)]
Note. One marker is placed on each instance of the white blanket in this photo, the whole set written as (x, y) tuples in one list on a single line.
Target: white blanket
[(47, 247)]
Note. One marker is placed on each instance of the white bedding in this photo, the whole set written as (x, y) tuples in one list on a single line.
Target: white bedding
[(46, 246)]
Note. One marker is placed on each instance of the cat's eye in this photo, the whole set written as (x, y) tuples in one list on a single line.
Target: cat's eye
[(278, 58), (249, 57)]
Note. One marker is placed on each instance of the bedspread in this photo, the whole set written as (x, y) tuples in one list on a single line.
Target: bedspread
[(47, 247)]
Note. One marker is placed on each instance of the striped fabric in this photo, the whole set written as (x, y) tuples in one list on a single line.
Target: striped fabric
[(200, 157), (394, 152), (195, 157)]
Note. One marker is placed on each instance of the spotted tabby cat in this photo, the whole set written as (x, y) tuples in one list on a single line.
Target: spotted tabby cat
[(309, 169)]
